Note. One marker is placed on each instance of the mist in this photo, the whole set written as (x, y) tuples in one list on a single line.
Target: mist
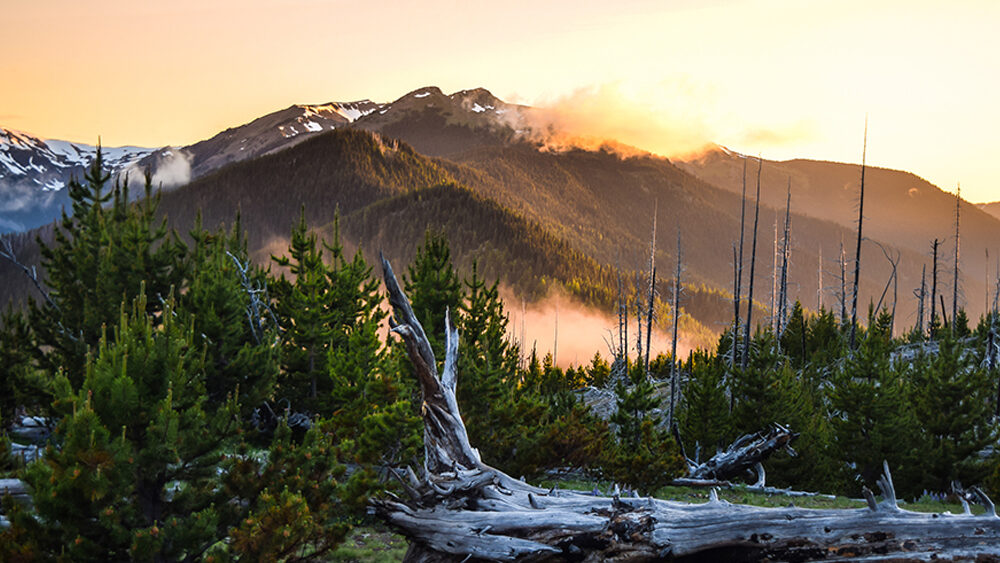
[(671, 119), (171, 169), (581, 331)]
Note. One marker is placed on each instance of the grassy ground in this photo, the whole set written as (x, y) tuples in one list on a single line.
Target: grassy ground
[(377, 543), (372, 543)]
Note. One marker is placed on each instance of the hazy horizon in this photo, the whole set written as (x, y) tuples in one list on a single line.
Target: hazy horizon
[(780, 78)]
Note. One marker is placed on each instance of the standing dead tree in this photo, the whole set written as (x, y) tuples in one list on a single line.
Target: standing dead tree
[(893, 281), (675, 311), (843, 283), (921, 295), (934, 272), (958, 239), (460, 508), (753, 261), (652, 292), (857, 251), (738, 267), (785, 250)]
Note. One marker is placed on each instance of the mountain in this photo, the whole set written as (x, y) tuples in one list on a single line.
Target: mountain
[(31, 187), (437, 124), (901, 210), (469, 165), (993, 208), (34, 171)]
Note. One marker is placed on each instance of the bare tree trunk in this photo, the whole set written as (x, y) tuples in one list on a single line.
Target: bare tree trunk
[(934, 272), (843, 284), (958, 239), (857, 252), (774, 279), (747, 335), (921, 297), (652, 291), (738, 286), (783, 290), (674, 384), (819, 283), (734, 340)]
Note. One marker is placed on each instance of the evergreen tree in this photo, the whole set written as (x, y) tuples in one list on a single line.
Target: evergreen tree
[(645, 456), (871, 414), (103, 253), (131, 474), (20, 385), (951, 401), (219, 307), (303, 306), (433, 288), (704, 414)]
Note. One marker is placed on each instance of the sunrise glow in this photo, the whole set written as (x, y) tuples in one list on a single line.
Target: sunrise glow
[(782, 78)]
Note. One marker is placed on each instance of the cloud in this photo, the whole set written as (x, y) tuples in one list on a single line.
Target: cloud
[(610, 117), (582, 331), (795, 133), (171, 168)]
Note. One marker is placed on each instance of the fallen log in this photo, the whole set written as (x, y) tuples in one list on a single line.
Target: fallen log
[(747, 452), (459, 508)]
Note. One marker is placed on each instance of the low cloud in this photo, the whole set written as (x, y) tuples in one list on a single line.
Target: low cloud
[(606, 117), (171, 169), (675, 119), (582, 331), (795, 133)]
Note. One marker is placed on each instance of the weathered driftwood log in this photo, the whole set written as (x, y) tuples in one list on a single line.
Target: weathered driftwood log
[(747, 452), (461, 508)]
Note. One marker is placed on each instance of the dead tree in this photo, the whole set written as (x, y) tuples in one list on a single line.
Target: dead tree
[(894, 264), (843, 283), (734, 340), (652, 292), (934, 272), (819, 282), (785, 249), (958, 239), (857, 252), (675, 306), (753, 261), (921, 295), (460, 508), (774, 279), (746, 453), (738, 258)]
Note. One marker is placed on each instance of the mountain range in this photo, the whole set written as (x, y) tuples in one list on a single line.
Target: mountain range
[(479, 169)]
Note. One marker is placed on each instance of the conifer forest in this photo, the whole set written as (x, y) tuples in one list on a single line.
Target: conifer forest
[(164, 397)]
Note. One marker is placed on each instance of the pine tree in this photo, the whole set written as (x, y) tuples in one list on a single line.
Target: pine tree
[(872, 414), (20, 384), (131, 474), (951, 399), (704, 415), (433, 287), (103, 253), (303, 308), (219, 307)]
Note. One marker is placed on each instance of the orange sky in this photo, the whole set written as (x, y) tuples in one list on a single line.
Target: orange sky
[(782, 78)]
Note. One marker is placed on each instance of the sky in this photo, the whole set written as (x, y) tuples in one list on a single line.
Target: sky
[(780, 78)]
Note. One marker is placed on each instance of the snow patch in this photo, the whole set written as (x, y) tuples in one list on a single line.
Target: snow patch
[(477, 108), (53, 186), (422, 95), (312, 126)]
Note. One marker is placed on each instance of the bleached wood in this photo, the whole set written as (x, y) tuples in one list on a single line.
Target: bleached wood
[(464, 509)]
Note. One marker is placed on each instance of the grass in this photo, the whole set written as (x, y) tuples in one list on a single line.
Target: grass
[(374, 543)]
